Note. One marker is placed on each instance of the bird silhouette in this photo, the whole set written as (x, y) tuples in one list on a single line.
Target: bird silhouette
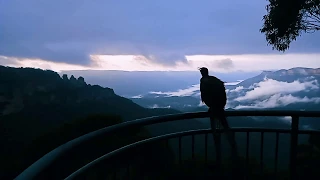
[(213, 94)]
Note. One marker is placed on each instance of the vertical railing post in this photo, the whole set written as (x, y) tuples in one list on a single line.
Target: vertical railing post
[(217, 139), (293, 146)]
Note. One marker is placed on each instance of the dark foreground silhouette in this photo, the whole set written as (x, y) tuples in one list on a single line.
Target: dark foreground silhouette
[(213, 94)]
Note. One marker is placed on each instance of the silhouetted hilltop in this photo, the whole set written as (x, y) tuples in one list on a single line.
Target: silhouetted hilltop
[(24, 89), (34, 101)]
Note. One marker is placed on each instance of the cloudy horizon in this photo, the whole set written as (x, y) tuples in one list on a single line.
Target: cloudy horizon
[(144, 35), (269, 93)]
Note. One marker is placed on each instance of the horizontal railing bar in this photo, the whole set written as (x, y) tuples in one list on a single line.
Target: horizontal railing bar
[(308, 131), (166, 137), (274, 113), (135, 144), (38, 166), (248, 129)]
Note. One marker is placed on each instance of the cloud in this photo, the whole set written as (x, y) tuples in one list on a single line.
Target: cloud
[(201, 104), (237, 89), (242, 63), (270, 87), (137, 97), (155, 106), (233, 83), (58, 67), (278, 100), (215, 64), (181, 92), (286, 119), (162, 31), (166, 59), (271, 93), (194, 90), (224, 63), (7, 61)]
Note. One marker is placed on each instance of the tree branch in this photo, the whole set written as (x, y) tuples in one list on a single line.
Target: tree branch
[(314, 15)]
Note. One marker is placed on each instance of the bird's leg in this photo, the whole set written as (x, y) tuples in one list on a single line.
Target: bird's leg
[(217, 141), (231, 138), (234, 151), (213, 125)]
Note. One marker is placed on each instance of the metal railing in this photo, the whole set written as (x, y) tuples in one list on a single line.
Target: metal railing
[(43, 163)]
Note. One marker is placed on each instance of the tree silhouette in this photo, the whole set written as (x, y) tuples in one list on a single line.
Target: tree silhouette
[(288, 19)]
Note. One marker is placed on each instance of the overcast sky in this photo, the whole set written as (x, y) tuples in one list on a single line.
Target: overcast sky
[(155, 35)]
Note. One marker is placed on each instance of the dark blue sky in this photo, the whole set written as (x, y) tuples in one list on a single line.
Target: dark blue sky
[(167, 30)]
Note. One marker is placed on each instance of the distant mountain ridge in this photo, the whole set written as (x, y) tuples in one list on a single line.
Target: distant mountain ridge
[(292, 88), (142, 82), (299, 70), (295, 71), (287, 75)]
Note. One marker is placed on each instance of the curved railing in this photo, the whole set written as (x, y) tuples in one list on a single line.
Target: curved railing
[(43, 163)]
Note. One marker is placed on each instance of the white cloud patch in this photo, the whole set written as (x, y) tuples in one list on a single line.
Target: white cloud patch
[(194, 90), (233, 83), (278, 100), (157, 106), (286, 119), (237, 89), (38, 63), (201, 104), (181, 92), (137, 97), (270, 87), (224, 63)]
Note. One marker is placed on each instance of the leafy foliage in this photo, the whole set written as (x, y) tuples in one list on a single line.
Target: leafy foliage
[(288, 19)]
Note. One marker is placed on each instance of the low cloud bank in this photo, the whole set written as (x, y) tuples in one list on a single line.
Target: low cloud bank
[(278, 100), (270, 87), (181, 92)]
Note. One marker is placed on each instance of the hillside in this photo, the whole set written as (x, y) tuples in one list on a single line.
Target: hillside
[(35, 98), (34, 102), (24, 88)]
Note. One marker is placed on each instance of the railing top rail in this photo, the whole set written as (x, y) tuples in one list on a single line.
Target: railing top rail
[(174, 135), (47, 159), (274, 113)]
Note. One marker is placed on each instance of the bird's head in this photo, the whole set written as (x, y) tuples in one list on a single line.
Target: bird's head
[(204, 71)]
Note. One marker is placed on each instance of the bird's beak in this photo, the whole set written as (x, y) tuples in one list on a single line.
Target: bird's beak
[(199, 68)]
